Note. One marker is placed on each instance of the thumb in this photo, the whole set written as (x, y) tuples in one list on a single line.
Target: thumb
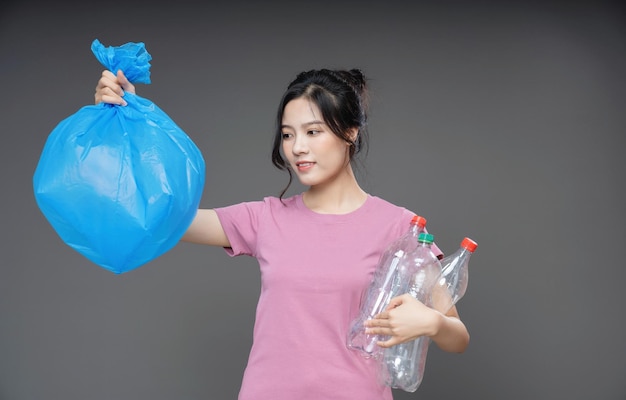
[(395, 302), (125, 83)]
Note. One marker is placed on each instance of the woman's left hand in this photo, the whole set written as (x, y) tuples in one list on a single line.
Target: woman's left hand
[(405, 319)]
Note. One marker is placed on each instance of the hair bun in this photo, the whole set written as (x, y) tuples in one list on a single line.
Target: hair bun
[(355, 78), (358, 77)]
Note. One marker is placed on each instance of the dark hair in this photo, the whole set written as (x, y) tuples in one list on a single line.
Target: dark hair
[(341, 96)]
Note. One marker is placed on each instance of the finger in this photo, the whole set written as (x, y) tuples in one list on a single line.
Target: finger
[(378, 323), (109, 75), (395, 302), (378, 330), (109, 81), (382, 315), (107, 95), (379, 320), (114, 100), (124, 82), (388, 343)]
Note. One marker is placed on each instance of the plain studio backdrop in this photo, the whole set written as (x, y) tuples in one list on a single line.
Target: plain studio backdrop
[(502, 121)]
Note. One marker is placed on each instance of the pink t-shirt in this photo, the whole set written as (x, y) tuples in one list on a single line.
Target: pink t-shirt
[(314, 269)]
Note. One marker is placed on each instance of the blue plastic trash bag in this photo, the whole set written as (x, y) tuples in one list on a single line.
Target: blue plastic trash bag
[(120, 184)]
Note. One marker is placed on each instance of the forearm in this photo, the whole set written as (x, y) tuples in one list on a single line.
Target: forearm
[(406, 319), (451, 334)]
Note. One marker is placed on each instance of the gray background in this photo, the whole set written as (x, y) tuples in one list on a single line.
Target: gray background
[(502, 121)]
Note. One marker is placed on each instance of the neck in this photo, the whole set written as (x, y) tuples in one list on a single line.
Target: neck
[(340, 196)]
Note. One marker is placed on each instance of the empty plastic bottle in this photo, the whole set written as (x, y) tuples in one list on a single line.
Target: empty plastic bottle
[(402, 366), (391, 279), (454, 276)]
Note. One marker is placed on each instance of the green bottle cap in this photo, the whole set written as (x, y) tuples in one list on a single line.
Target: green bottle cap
[(425, 238)]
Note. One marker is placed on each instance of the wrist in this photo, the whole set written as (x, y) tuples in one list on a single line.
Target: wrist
[(438, 322)]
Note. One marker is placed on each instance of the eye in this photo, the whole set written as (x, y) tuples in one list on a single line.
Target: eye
[(286, 135), (312, 132)]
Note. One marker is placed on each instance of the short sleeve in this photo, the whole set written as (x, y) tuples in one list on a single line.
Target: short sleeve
[(241, 224)]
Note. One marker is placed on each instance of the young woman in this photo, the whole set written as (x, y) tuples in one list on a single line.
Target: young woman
[(317, 250)]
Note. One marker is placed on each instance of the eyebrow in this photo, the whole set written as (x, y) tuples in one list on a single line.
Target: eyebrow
[(315, 122)]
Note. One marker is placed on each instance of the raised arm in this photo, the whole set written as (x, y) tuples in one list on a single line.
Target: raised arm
[(205, 227)]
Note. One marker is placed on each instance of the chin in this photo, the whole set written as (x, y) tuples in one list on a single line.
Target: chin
[(308, 181)]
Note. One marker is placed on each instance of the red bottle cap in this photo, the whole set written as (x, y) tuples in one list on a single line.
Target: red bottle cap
[(469, 244), (418, 220)]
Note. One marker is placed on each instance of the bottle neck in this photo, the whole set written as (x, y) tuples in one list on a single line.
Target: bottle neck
[(463, 252), (417, 229)]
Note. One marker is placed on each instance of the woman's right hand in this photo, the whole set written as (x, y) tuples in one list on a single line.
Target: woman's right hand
[(111, 88)]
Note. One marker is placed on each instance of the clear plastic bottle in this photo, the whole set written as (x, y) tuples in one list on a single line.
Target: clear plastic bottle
[(402, 366), (390, 279), (454, 276)]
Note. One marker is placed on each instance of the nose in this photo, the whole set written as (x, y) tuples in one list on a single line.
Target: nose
[(299, 145)]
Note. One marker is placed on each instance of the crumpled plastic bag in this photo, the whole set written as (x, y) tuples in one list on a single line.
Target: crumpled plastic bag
[(120, 184)]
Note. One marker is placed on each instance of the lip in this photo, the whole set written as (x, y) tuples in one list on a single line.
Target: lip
[(304, 165)]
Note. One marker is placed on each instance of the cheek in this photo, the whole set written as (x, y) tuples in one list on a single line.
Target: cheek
[(338, 154), (338, 147), (286, 149)]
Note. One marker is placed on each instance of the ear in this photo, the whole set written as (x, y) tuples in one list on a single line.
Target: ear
[(353, 134)]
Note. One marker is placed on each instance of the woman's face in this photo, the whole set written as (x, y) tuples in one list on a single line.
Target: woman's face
[(313, 151)]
